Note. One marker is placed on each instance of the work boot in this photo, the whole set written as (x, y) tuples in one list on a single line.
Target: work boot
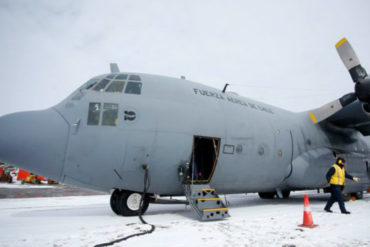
[(328, 210), (346, 212)]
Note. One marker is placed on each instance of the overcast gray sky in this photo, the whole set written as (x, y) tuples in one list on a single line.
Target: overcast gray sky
[(278, 52)]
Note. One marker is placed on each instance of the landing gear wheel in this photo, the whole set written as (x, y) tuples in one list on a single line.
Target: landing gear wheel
[(267, 195), (359, 195), (114, 201), (286, 194), (129, 203), (346, 197), (133, 201)]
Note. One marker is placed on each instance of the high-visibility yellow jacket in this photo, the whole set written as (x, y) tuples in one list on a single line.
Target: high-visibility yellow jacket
[(339, 176)]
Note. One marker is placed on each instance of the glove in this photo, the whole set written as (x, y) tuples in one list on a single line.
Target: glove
[(356, 179)]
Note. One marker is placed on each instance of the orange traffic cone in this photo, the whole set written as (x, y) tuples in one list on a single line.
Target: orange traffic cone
[(307, 216)]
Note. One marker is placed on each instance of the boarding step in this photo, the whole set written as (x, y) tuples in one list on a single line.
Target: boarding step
[(205, 202)]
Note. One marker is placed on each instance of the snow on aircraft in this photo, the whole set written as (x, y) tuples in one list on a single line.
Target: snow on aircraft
[(189, 139)]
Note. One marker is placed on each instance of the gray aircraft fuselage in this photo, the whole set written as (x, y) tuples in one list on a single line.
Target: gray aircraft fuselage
[(262, 147)]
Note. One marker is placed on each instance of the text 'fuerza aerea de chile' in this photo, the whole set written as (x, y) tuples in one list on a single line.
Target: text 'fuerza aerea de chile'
[(232, 99)]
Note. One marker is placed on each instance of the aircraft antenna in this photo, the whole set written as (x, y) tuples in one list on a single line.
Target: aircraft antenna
[(224, 90), (114, 68)]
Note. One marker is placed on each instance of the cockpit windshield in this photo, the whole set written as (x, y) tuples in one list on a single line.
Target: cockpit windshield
[(117, 83), (101, 85), (116, 87)]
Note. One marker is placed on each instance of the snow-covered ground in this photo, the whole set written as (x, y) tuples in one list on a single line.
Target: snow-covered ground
[(88, 220)]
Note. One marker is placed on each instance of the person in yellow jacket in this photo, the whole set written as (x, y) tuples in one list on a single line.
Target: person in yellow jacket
[(336, 176)]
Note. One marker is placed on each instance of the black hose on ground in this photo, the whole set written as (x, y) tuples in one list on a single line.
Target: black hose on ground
[(146, 186)]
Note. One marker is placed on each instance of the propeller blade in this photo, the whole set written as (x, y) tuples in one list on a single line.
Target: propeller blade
[(331, 108), (358, 74), (350, 60)]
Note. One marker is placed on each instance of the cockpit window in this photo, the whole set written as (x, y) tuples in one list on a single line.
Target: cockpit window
[(91, 83), (94, 114), (134, 78), (101, 85), (110, 114), (116, 83), (115, 87), (122, 77), (133, 87)]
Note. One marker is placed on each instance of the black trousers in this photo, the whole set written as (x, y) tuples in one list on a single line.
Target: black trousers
[(336, 196)]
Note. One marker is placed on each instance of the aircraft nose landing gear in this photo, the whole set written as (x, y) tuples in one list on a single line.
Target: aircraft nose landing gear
[(127, 203)]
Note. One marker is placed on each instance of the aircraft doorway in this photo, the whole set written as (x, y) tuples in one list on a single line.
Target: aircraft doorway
[(203, 159)]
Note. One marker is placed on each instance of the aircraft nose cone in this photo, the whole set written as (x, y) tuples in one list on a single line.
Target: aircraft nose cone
[(35, 141)]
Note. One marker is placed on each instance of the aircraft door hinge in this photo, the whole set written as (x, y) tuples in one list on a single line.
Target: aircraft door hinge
[(183, 171)]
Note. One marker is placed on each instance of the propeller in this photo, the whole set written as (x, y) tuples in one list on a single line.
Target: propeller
[(357, 72), (359, 77)]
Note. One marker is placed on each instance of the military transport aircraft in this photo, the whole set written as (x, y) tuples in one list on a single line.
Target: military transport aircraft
[(189, 139)]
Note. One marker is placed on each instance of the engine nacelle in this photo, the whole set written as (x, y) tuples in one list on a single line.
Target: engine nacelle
[(362, 90)]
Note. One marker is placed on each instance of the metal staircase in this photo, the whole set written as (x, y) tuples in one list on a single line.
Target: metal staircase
[(205, 202)]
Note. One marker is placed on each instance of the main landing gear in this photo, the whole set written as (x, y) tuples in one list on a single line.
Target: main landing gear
[(127, 203), (272, 195)]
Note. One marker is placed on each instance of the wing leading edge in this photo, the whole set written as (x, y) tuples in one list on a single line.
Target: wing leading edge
[(354, 116)]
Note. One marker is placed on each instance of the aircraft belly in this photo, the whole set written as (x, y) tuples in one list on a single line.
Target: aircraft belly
[(245, 176)]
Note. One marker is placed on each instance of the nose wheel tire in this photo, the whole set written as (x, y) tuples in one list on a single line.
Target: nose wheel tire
[(114, 201), (359, 195), (127, 203)]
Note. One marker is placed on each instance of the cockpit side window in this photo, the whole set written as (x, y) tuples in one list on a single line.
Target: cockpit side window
[(91, 83), (115, 87), (101, 85), (93, 117), (110, 114), (133, 87)]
